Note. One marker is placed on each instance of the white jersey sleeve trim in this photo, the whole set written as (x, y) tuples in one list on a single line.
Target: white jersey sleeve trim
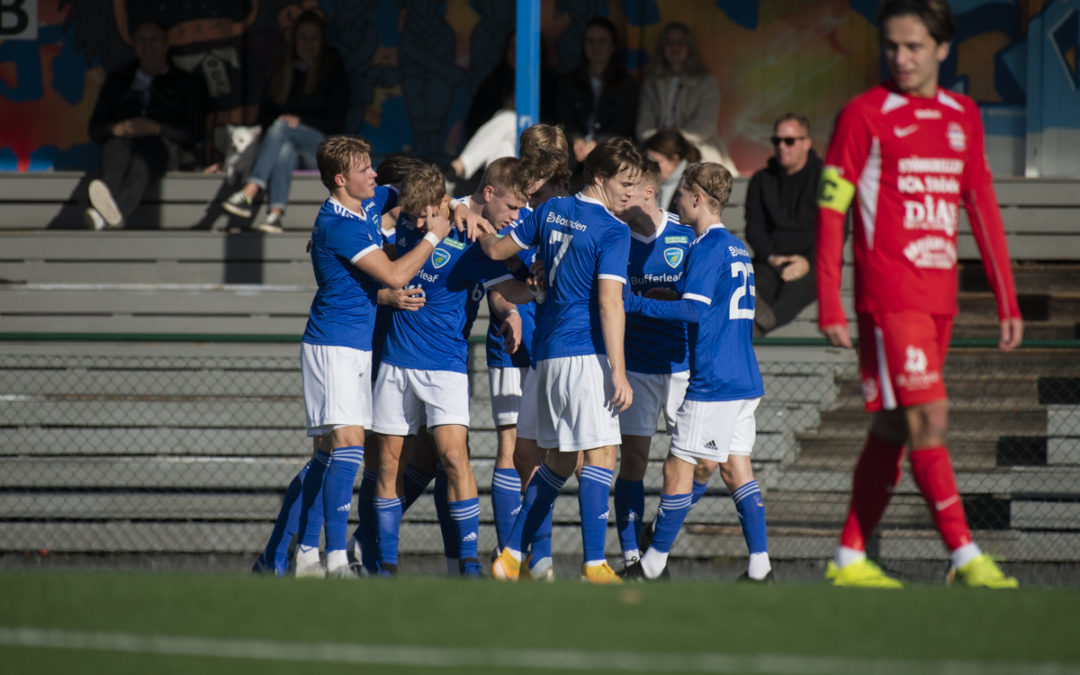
[(513, 235), (695, 296), (612, 277), (497, 280), (364, 252)]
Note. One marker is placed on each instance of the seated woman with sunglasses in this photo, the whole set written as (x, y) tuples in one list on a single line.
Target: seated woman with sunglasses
[(781, 225)]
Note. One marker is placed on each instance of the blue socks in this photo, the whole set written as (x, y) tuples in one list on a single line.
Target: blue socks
[(593, 502), (310, 525), (388, 512), (466, 517), (367, 532), (698, 492), (669, 520), (539, 497), (505, 502), (451, 548), (276, 553), (629, 508), (337, 494), (416, 481), (751, 509)]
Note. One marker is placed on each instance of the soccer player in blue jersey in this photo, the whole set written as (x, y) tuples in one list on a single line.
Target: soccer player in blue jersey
[(715, 423), (423, 380), (509, 353), (580, 371), (335, 353), (657, 361)]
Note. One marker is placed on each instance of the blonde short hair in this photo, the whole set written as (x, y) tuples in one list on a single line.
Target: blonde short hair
[(713, 180), (336, 156)]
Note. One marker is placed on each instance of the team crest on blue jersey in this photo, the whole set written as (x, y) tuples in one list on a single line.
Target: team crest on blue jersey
[(439, 257), (673, 257)]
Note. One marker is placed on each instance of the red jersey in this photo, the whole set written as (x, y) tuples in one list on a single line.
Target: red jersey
[(909, 161)]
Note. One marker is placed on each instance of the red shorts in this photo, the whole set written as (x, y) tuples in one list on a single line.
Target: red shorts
[(901, 356)]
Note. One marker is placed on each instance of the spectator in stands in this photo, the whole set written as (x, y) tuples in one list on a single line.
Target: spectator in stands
[(680, 93), (145, 115), (598, 99), (781, 225), (673, 153), (304, 102)]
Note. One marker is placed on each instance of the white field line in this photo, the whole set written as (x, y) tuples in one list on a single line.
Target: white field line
[(547, 659)]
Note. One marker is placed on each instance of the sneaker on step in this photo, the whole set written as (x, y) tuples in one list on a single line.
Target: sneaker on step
[(982, 572), (271, 224), (506, 567), (861, 574), (600, 574), (101, 199), (94, 220), (238, 204)]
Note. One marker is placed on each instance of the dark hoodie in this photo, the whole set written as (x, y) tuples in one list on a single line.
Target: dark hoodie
[(781, 210)]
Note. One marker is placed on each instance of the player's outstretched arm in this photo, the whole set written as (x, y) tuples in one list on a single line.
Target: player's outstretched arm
[(670, 310), (613, 327), (499, 248), (398, 273)]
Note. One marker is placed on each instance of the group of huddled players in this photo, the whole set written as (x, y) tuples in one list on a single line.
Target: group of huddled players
[(606, 313)]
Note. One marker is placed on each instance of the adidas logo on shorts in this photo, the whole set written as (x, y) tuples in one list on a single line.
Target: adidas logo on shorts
[(711, 445)]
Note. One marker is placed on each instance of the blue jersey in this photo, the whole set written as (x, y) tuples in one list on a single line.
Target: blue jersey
[(579, 242), (657, 345), (496, 357), (719, 273), (343, 311), (432, 338), (382, 312)]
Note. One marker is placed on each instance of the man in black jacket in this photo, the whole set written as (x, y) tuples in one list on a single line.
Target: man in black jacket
[(144, 115), (781, 223)]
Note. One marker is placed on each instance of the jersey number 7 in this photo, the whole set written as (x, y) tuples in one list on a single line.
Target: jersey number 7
[(561, 241)]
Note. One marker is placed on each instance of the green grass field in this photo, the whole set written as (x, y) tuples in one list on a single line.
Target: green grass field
[(62, 622)]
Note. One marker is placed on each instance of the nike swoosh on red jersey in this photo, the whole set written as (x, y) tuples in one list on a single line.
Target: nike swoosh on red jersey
[(905, 131)]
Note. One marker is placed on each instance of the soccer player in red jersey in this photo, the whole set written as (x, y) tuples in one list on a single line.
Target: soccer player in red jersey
[(908, 152)]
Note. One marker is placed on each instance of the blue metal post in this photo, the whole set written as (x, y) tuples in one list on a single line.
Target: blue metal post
[(527, 78)]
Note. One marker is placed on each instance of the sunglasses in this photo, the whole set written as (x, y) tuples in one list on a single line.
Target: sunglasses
[(786, 140)]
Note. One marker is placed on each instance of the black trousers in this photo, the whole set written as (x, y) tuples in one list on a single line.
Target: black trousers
[(130, 165), (787, 298)]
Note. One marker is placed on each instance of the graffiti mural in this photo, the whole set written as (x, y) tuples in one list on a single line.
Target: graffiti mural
[(413, 66)]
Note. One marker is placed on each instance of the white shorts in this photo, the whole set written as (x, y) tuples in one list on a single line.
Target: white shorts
[(337, 387), (654, 394), (407, 399), (573, 412), (526, 421), (505, 387), (714, 429)]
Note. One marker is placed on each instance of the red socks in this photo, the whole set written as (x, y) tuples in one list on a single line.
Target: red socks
[(876, 474), (933, 473)]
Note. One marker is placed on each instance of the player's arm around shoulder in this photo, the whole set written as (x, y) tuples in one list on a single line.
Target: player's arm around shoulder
[(398, 273)]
